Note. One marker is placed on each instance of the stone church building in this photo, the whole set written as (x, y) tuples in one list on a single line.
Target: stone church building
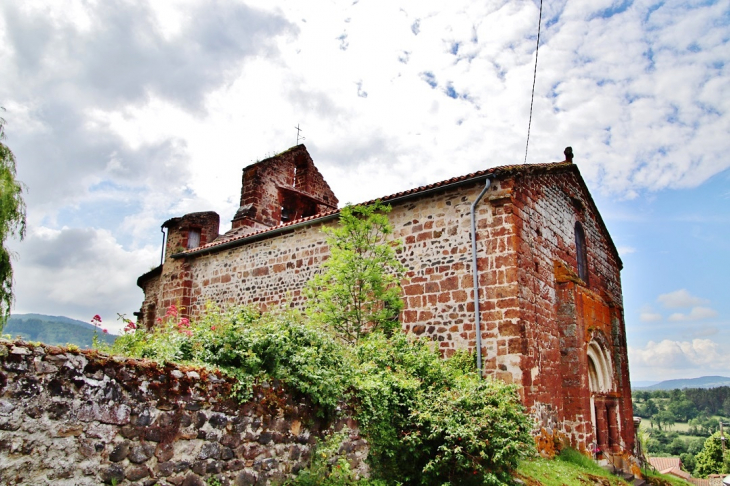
[(547, 272)]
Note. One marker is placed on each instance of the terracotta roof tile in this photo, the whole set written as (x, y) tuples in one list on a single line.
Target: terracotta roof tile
[(237, 234)]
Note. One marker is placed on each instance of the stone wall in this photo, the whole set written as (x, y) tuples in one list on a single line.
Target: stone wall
[(83, 418)]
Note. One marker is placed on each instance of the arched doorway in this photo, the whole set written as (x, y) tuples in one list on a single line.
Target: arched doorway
[(603, 405)]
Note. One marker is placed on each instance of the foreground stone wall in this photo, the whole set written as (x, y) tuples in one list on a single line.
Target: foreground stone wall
[(83, 418)]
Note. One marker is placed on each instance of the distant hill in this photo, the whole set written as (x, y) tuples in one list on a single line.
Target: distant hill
[(636, 384), (53, 330), (702, 382)]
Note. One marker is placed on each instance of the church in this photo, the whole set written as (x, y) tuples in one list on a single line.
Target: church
[(548, 312)]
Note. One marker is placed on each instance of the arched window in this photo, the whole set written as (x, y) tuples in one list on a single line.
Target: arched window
[(581, 253)]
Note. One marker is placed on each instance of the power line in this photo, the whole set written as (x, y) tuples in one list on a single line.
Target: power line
[(534, 77)]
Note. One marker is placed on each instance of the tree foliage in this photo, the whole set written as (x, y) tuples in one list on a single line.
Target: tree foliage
[(12, 222), (710, 459), (359, 290)]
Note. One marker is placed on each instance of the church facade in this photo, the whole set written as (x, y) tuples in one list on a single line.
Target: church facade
[(547, 272)]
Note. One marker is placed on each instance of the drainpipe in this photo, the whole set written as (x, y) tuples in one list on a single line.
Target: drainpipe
[(477, 316), (162, 252)]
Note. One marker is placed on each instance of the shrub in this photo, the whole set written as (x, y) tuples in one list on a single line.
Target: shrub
[(359, 290), (430, 422)]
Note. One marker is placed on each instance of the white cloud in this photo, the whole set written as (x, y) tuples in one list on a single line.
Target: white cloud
[(168, 104), (679, 299), (669, 359), (79, 273), (626, 250), (650, 317), (696, 314)]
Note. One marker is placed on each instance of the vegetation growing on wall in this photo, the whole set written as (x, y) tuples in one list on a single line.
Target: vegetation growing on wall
[(428, 421)]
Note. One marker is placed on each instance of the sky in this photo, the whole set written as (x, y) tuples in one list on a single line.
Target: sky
[(122, 114)]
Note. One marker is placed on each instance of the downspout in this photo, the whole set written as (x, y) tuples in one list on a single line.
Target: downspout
[(162, 251), (475, 273)]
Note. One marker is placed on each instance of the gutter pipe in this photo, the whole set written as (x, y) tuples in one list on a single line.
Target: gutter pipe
[(475, 273), (162, 251)]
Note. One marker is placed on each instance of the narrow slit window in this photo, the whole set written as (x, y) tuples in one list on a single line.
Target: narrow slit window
[(581, 253)]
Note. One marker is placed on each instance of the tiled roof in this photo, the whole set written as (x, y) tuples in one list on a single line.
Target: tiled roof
[(699, 481), (669, 465), (662, 463), (239, 235)]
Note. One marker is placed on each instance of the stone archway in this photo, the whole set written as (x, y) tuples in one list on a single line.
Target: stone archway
[(602, 386)]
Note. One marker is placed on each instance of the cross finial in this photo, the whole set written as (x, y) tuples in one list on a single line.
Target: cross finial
[(300, 138)]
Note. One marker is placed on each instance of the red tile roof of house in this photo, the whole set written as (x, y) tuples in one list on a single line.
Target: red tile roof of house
[(669, 465)]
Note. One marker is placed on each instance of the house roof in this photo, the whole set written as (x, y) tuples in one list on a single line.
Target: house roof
[(699, 481), (240, 236), (669, 465)]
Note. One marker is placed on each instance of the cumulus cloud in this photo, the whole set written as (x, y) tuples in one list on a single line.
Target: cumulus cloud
[(696, 314), (679, 299), (68, 67), (669, 358), (648, 316), (124, 113), (79, 273)]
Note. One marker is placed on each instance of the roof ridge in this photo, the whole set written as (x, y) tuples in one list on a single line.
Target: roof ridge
[(416, 190)]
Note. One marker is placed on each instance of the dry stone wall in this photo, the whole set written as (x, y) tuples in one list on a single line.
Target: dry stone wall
[(83, 418)]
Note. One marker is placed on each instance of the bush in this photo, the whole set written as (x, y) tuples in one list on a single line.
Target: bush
[(428, 421)]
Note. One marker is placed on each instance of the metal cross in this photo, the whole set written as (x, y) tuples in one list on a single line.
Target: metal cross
[(299, 137)]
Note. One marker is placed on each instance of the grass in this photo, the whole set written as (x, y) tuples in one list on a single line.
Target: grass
[(571, 468), (657, 479)]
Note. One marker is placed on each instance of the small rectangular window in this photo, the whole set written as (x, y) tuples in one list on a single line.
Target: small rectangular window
[(193, 239)]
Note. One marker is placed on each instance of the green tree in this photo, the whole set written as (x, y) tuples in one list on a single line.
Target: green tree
[(649, 409), (359, 290), (710, 459), (12, 222), (683, 409), (664, 417)]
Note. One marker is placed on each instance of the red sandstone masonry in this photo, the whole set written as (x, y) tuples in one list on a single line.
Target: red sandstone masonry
[(536, 321)]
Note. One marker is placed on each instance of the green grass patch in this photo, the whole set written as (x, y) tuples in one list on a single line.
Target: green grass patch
[(657, 479), (570, 468)]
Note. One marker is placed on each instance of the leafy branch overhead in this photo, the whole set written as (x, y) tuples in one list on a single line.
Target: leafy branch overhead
[(12, 222), (359, 290)]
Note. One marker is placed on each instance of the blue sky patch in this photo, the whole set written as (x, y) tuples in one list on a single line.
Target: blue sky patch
[(615, 9), (429, 78)]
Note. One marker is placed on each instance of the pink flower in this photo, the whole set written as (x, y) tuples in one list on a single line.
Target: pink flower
[(188, 332), (159, 319), (184, 322), (171, 311), (104, 331), (212, 328), (96, 320), (130, 326)]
